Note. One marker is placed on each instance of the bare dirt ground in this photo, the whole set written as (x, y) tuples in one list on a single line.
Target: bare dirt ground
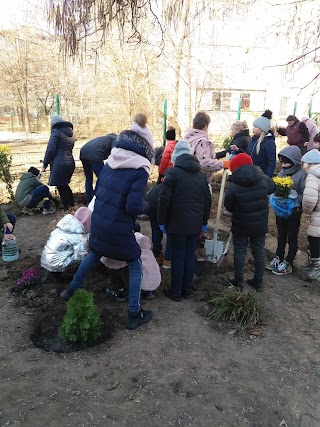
[(179, 370)]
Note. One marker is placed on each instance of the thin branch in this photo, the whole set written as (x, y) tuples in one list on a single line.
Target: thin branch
[(293, 60), (308, 84)]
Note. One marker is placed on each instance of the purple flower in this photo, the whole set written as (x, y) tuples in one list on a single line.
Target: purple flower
[(29, 277)]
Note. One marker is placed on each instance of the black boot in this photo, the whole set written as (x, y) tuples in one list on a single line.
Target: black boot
[(138, 318), (258, 287), (169, 294)]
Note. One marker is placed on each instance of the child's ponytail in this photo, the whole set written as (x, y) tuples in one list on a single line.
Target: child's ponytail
[(261, 138)]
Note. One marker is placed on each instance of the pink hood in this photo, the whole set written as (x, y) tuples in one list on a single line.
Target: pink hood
[(83, 215), (151, 277), (204, 150), (125, 159)]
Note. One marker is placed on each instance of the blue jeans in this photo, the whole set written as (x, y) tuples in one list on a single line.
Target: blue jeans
[(156, 238), (240, 245), (90, 167), (182, 262), (135, 271), (135, 277), (38, 194)]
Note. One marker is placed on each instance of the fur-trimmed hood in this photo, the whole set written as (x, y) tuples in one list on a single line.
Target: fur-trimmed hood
[(124, 159)]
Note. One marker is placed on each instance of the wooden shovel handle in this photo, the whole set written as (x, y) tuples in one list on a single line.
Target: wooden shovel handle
[(221, 195)]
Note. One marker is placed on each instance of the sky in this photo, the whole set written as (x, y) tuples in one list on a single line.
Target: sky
[(17, 12)]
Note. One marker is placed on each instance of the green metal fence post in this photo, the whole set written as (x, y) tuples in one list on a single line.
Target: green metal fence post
[(310, 108), (295, 108), (57, 101), (164, 121), (239, 108)]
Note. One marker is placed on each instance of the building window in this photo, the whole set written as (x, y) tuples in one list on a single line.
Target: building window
[(225, 101), (216, 101), (221, 101), (245, 101), (283, 106)]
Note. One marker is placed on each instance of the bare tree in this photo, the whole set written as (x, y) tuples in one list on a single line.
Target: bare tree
[(30, 78), (299, 23), (76, 21)]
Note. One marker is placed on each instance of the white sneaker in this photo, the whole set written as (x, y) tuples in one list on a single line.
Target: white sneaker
[(48, 211), (274, 264), (283, 268)]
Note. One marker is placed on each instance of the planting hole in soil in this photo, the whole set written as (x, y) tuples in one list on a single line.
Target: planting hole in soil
[(46, 333)]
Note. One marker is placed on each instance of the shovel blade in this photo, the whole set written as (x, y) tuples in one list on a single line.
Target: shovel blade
[(214, 250)]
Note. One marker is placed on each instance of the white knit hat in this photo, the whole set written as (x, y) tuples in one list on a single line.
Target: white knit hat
[(145, 132), (311, 157)]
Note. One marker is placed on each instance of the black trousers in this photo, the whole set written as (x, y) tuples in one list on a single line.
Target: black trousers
[(314, 246), (66, 196), (288, 229), (119, 278), (240, 245)]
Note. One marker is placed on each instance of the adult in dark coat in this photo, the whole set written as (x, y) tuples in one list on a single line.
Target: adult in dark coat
[(239, 142), (296, 132), (183, 212), (59, 156), (119, 199), (92, 156), (247, 200), (262, 147)]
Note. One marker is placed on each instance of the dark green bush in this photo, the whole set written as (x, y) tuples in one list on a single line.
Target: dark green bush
[(82, 322), (245, 308)]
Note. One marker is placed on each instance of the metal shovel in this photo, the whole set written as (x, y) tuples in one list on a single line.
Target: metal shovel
[(215, 250)]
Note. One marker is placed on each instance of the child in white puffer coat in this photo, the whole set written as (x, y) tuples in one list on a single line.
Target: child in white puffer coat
[(68, 243)]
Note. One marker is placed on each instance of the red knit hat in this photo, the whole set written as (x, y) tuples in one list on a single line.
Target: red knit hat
[(240, 160)]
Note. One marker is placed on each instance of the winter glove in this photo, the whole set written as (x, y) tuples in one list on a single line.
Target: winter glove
[(163, 228), (204, 228), (226, 164)]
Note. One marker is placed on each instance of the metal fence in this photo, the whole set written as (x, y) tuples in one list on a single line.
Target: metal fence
[(85, 126), (30, 152)]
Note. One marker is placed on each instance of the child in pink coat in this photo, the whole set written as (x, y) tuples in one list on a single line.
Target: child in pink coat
[(151, 277), (201, 146)]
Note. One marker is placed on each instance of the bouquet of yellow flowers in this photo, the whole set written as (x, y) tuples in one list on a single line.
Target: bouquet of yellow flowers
[(284, 186), (284, 200)]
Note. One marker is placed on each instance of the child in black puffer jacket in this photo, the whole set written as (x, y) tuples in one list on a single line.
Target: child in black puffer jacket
[(247, 200)]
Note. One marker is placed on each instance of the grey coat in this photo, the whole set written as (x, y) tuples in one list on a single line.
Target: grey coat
[(296, 173)]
